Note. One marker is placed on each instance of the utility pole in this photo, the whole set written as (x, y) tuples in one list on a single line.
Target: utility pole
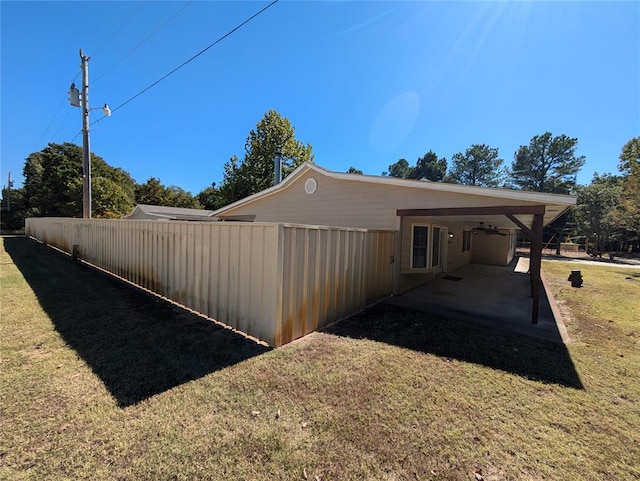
[(9, 185), (79, 98), (86, 152)]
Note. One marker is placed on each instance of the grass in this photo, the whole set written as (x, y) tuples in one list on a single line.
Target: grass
[(101, 381)]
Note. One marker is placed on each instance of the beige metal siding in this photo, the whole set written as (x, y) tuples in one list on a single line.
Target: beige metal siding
[(223, 270), (275, 282), (338, 202), (492, 248), (455, 257), (330, 273)]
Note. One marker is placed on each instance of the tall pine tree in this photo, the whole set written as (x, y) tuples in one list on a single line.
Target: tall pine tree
[(547, 164)]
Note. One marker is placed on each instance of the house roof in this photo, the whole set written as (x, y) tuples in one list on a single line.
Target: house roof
[(160, 212), (556, 203)]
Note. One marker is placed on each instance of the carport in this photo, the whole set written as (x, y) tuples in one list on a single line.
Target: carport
[(494, 296), (529, 218)]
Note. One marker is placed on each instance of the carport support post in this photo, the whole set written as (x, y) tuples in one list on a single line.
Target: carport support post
[(535, 264), (535, 258)]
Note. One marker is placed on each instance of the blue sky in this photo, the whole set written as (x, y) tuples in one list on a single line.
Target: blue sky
[(366, 83)]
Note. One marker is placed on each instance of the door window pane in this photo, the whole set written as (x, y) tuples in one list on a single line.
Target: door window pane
[(435, 248), (420, 239)]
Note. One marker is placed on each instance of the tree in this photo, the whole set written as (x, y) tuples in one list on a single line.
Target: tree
[(630, 155), (178, 197), (629, 209), (353, 170), (547, 164), (429, 167), (210, 198), (14, 209), (400, 169), (273, 134), (109, 199), (53, 184), (479, 165), (153, 192), (595, 211)]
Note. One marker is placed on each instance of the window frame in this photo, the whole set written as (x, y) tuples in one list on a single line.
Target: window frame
[(440, 244), (433, 246), (425, 247), (466, 240)]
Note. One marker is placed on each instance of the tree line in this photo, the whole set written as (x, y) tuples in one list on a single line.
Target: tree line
[(53, 179), (607, 214)]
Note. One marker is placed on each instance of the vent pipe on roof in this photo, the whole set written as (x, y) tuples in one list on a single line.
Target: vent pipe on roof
[(277, 161)]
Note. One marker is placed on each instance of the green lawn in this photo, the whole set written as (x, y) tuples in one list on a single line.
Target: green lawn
[(102, 381)]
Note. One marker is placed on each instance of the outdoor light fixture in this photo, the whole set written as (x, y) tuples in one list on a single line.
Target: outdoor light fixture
[(106, 110)]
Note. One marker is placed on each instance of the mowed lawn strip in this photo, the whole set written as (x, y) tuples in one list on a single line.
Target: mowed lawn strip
[(411, 398)]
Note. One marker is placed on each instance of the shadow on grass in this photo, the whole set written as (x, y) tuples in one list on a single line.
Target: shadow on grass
[(139, 345), (630, 274), (535, 359)]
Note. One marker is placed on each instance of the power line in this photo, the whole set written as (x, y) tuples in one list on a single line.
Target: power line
[(62, 124), (51, 122), (55, 115), (143, 41), (120, 27), (233, 30)]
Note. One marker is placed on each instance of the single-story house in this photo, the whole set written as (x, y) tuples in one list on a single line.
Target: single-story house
[(439, 227), (159, 212)]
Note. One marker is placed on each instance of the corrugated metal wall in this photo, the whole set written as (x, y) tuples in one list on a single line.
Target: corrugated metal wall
[(276, 282)]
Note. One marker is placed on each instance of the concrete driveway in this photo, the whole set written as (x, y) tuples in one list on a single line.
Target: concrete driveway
[(494, 296)]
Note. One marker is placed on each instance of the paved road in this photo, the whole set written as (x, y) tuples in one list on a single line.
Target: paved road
[(626, 263)]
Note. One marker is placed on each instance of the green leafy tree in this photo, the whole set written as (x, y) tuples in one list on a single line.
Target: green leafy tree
[(178, 197), (478, 165), (273, 134), (109, 199), (154, 192), (14, 209), (547, 164), (595, 211), (429, 167), (401, 169), (210, 198), (629, 210), (53, 184), (235, 182), (353, 170)]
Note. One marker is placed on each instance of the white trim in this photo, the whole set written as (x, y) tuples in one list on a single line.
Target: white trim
[(443, 251)]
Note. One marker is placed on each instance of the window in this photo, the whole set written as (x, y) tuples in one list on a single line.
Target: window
[(466, 240), (427, 248), (419, 246), (435, 248)]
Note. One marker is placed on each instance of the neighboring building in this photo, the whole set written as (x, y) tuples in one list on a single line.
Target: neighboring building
[(159, 212), (439, 227)]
